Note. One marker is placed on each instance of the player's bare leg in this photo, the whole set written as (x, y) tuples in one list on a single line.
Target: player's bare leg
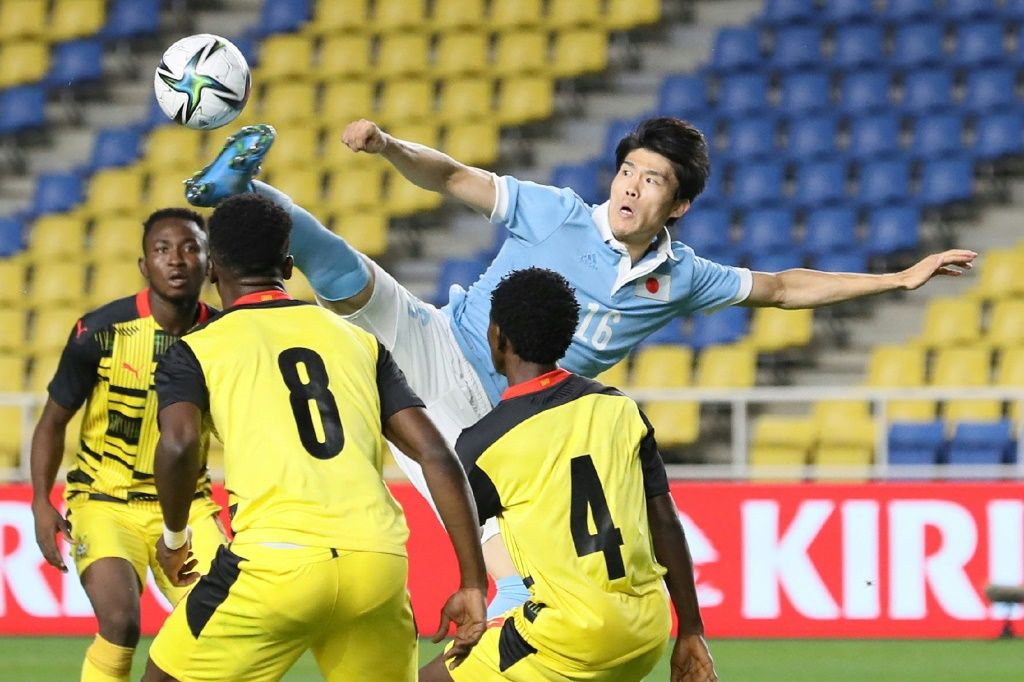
[(155, 674), (113, 590), (435, 671)]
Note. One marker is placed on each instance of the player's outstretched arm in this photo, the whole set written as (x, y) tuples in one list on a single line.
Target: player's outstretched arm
[(800, 288), (47, 451), (415, 435), (424, 166), (176, 468), (691, 659)]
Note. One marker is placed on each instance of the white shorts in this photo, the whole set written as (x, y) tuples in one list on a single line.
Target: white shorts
[(420, 339)]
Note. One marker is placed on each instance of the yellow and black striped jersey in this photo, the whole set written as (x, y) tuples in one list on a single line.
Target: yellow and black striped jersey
[(566, 464), (108, 364), (298, 396)]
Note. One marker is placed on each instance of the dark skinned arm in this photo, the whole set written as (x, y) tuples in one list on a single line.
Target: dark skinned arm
[(46, 455), (176, 468)]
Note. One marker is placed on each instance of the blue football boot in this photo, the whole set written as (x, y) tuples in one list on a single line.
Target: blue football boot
[(234, 168)]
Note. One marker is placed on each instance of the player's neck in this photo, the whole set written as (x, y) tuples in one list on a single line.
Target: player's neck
[(519, 371), (234, 290), (174, 317)]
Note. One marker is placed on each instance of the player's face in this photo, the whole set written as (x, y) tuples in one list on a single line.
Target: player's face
[(174, 261), (643, 197)]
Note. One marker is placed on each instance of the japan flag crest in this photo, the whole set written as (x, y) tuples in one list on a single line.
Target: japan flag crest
[(655, 287)]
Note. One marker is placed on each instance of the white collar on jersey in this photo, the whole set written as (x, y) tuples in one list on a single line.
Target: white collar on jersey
[(627, 271)]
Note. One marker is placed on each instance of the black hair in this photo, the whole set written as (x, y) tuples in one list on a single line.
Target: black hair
[(249, 235), (536, 310), (679, 142), (186, 214)]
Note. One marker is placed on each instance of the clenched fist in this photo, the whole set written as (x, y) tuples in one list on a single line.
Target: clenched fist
[(364, 136)]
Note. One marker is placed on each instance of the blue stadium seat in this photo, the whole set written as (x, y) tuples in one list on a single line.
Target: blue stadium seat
[(57, 193), (727, 325), (998, 135), (1014, 10), (830, 230), (842, 12), (894, 229), (988, 90), (247, 43), (937, 135), (804, 93), (927, 90), (979, 44), (736, 49), (916, 442), (757, 184), (982, 443), (706, 124), (706, 230), (22, 108), (682, 95), (847, 261), (967, 10), (865, 92), (917, 45), (812, 138), (115, 147), (584, 178), (617, 129), (462, 271), (743, 93), (751, 138), (75, 63), (903, 11), (673, 333), (714, 192), (872, 137), (946, 181), (797, 47), (283, 16), (768, 230), (785, 12), (858, 46), (12, 235), (775, 261), (132, 18), (820, 183)]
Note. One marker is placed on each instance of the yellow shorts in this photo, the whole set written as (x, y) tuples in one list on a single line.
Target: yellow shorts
[(502, 654), (130, 530), (260, 607)]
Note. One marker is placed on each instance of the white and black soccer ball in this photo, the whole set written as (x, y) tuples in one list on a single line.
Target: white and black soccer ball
[(202, 82)]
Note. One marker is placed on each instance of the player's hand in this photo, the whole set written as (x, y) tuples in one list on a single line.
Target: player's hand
[(691, 660), (467, 608), (364, 136), (950, 263), (49, 523), (177, 564)]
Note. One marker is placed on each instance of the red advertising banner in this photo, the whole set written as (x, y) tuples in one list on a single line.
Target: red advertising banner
[(882, 560)]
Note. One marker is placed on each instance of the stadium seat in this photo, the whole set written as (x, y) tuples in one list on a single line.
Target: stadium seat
[(982, 443), (287, 102), (927, 90), (676, 423), (855, 260), (132, 18), (57, 282), (11, 236), (946, 181), (965, 367), (707, 230), (303, 185), (44, 366), (1010, 373), (466, 99), (757, 184), (937, 135), (662, 366), (299, 287), (13, 282), (842, 12), (164, 189), (893, 366), (785, 12), (998, 135), (830, 230), (115, 147), (355, 188), (999, 277), (284, 16), (726, 367), (865, 92), (990, 90), (339, 17), (811, 138), (403, 101), (75, 62), (584, 178), (345, 100), (522, 100), (399, 15), (343, 56), (683, 95), (845, 447), (751, 139), (768, 230), (1006, 327), (916, 443), (474, 142), (767, 261), (22, 19), (964, 10), (12, 330), (457, 15), (743, 93), (115, 240), (616, 376), (365, 230), (461, 271), (820, 183), (828, 413), (736, 49), (404, 198), (10, 436), (57, 237), (12, 373), (805, 93), (893, 230), (579, 51), (796, 47), (401, 55), (295, 146), (775, 329), (509, 15), (979, 45), (903, 11), (951, 321), (285, 56), (57, 192), (625, 14), (114, 279), (874, 136), (114, 191), (617, 129), (573, 13), (917, 45), (883, 182), (722, 327), (22, 108), (75, 19), (780, 441), (23, 61), (461, 53), (857, 46), (520, 52)]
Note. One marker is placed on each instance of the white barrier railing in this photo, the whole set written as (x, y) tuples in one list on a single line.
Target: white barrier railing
[(739, 402)]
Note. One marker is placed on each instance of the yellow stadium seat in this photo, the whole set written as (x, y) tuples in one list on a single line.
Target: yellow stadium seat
[(774, 329), (210, 296), (57, 237), (506, 15), (999, 275), (460, 54), (475, 143), (580, 51), (405, 198), (622, 15), (846, 444), (57, 282), (951, 321), (75, 18), (113, 280), (343, 102), (399, 15), (616, 376), (13, 282), (522, 100), (22, 18), (1006, 327), (406, 100), (338, 17), (174, 146), (23, 61), (658, 366), (115, 240), (965, 368), (1010, 374), (299, 287), (675, 423), (295, 146), (892, 366), (285, 55), (12, 373), (780, 446), (365, 230), (829, 414), (10, 436), (289, 102), (520, 52), (12, 330), (50, 330), (571, 13), (457, 15), (466, 99), (402, 54), (354, 189), (44, 366), (114, 191), (727, 367), (165, 189), (303, 185), (422, 132), (344, 56)]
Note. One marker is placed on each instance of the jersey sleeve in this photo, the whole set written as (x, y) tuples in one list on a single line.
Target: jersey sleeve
[(716, 286), (76, 372), (469, 447), (531, 212), (179, 378), (394, 390), (655, 477)]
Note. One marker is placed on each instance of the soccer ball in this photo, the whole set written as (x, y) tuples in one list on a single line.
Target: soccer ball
[(202, 81)]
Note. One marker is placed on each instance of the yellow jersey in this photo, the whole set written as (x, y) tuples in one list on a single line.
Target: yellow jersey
[(108, 364), (298, 396), (566, 464)]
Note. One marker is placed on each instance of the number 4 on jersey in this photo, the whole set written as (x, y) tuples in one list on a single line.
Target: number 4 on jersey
[(587, 498)]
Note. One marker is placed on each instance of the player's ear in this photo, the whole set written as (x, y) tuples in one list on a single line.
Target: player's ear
[(143, 267), (680, 208), (287, 267), (212, 270)]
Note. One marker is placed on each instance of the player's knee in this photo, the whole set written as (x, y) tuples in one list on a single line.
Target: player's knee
[(120, 626)]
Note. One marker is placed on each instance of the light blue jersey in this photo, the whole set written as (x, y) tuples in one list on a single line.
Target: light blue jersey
[(620, 303)]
